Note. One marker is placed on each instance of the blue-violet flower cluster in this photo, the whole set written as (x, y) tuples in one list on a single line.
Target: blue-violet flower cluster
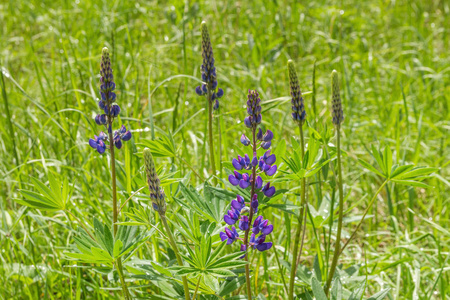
[(209, 75), (110, 108), (239, 213)]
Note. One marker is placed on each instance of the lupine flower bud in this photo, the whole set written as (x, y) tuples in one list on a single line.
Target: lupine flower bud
[(156, 192), (298, 108), (336, 105), (245, 140)]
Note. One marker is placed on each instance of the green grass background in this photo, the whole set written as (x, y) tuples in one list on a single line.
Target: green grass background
[(394, 62)]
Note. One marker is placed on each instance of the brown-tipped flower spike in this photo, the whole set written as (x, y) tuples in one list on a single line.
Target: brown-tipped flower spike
[(336, 105), (298, 108), (156, 192)]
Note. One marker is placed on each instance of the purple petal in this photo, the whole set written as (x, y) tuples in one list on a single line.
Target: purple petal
[(93, 143), (272, 170), (199, 91), (266, 145), (268, 136), (258, 183), (268, 229), (223, 236), (236, 164), (264, 246), (254, 160), (259, 135), (269, 192), (229, 220), (219, 93), (126, 136), (230, 241), (247, 122), (271, 159), (236, 205), (244, 140), (233, 180), (244, 184), (118, 143)]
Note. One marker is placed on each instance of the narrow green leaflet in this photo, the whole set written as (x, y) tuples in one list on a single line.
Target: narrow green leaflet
[(47, 199)]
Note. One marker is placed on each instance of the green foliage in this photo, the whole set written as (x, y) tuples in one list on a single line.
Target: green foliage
[(49, 199), (401, 174), (105, 249)]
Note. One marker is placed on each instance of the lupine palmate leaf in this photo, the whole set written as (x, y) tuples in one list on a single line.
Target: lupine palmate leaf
[(104, 248), (48, 199), (402, 174)]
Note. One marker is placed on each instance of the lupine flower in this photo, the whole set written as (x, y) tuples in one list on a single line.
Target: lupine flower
[(156, 192), (232, 216), (259, 242), (110, 108), (238, 204), (243, 223), (336, 105), (264, 163), (298, 108), (99, 142), (229, 235), (209, 75)]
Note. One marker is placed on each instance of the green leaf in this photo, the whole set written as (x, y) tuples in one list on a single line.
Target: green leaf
[(38, 201), (317, 289), (399, 170), (370, 167), (380, 295), (412, 183)]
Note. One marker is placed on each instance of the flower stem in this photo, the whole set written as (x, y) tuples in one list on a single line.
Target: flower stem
[(364, 215), (177, 254), (126, 293), (299, 226), (250, 217), (337, 250), (211, 139), (196, 288)]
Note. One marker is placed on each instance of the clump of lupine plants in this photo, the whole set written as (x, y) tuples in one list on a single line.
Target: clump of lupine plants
[(194, 263)]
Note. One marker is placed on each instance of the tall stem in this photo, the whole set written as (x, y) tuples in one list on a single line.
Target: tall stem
[(211, 140), (337, 250), (299, 226), (364, 215), (250, 217), (177, 254), (126, 293)]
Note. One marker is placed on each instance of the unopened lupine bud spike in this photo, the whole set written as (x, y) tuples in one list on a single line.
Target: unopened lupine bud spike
[(336, 104), (209, 73), (298, 108), (156, 193)]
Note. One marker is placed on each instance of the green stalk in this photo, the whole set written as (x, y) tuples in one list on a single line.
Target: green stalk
[(364, 215), (337, 250), (177, 254), (126, 293), (8, 117), (250, 218), (211, 140), (299, 226)]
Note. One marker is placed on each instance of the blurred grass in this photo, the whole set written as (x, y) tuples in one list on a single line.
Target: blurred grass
[(394, 62)]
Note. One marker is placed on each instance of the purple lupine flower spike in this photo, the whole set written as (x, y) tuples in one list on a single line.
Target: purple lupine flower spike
[(110, 108), (266, 164)]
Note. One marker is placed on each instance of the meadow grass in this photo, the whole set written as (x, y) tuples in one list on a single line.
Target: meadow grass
[(394, 65)]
